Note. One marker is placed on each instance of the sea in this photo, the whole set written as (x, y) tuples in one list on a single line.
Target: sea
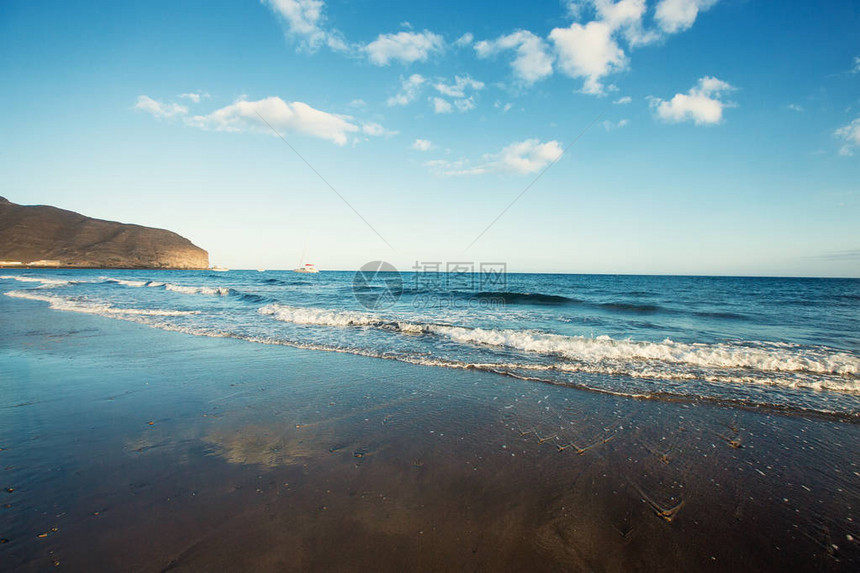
[(791, 345)]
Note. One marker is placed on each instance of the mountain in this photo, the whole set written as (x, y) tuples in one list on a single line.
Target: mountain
[(40, 233)]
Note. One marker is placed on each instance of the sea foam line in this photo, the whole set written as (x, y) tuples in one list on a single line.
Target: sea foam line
[(184, 289), (44, 281), (759, 356), (102, 309)]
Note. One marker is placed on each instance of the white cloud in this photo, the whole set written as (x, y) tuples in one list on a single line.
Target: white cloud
[(409, 90), (286, 117), (529, 156), (520, 158), (457, 91), (795, 107), (850, 135), (678, 15), (422, 145), (703, 104), (623, 100), (533, 61), (159, 109), (856, 68), (440, 105), (464, 40), (609, 126), (591, 49), (406, 47), (466, 104), (305, 21), (459, 87), (194, 97), (588, 52), (504, 107), (374, 129)]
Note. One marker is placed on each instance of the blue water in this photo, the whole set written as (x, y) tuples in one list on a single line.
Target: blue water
[(787, 344)]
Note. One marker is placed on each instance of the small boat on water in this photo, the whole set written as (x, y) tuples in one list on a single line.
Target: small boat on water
[(218, 269), (307, 268)]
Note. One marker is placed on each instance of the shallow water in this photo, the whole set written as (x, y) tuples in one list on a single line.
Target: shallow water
[(787, 344)]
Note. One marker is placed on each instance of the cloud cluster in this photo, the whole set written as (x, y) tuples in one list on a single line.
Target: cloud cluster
[(159, 109), (456, 90), (678, 15), (409, 90), (590, 48), (285, 117), (519, 158), (703, 104), (533, 60), (850, 136), (405, 47), (422, 145), (306, 23), (460, 93)]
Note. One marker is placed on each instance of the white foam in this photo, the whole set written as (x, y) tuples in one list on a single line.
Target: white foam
[(125, 282), (184, 289), (603, 354), (44, 281), (212, 291), (89, 307), (318, 316)]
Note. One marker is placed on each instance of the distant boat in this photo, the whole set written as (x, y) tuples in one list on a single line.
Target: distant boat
[(261, 270), (307, 268), (218, 269)]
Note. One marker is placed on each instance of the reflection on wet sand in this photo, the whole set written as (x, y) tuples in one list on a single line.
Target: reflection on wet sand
[(268, 446)]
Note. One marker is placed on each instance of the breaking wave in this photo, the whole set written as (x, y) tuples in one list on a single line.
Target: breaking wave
[(740, 362), (88, 307)]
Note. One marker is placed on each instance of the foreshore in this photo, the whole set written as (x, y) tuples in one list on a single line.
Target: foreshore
[(127, 448)]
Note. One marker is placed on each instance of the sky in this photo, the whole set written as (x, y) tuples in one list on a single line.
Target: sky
[(706, 137)]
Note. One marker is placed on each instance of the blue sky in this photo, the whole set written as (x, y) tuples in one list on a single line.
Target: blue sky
[(724, 135)]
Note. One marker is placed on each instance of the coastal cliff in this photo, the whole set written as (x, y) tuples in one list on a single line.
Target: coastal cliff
[(56, 237)]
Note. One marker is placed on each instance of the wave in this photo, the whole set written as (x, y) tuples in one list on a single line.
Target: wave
[(723, 315), (103, 309), (621, 355), (125, 282), (191, 289), (631, 307), (45, 281), (526, 298)]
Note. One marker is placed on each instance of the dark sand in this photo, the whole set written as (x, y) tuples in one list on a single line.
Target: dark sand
[(132, 449)]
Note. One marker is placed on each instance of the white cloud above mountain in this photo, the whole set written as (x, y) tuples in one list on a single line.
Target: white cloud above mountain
[(257, 116)]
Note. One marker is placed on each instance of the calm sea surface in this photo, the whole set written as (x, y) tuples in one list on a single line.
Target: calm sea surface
[(788, 344)]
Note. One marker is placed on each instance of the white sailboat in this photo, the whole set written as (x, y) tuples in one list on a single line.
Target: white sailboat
[(303, 266)]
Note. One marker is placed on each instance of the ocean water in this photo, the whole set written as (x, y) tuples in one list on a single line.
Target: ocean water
[(791, 345)]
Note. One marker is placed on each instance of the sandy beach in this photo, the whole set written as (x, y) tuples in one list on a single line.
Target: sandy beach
[(126, 448)]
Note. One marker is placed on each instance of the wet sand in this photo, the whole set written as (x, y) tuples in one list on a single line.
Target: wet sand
[(126, 448)]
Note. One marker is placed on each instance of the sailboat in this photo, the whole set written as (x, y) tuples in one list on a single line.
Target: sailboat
[(305, 267)]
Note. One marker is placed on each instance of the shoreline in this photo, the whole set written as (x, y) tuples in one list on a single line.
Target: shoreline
[(271, 457)]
